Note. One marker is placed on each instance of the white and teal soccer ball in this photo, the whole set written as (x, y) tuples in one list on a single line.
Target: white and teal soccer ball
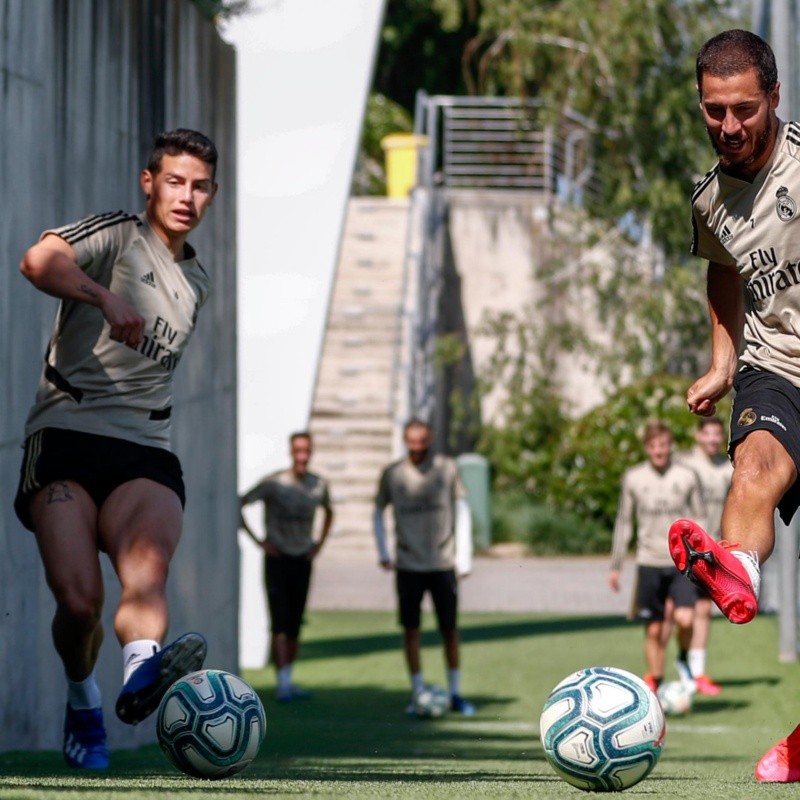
[(211, 724), (675, 698), (602, 729), (431, 702)]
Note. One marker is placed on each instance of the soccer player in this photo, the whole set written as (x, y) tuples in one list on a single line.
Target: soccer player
[(652, 493), (98, 474), (431, 514), (713, 470), (291, 498), (745, 217)]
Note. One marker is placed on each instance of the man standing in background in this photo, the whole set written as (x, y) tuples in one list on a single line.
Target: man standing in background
[(291, 498), (652, 492), (431, 515)]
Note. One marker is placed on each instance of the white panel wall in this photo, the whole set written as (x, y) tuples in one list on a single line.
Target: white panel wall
[(83, 89)]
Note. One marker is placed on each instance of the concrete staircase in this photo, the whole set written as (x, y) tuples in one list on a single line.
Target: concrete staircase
[(353, 409)]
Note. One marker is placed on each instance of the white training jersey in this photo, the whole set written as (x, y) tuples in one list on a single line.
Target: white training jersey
[(423, 499), (756, 228), (650, 501), (93, 384)]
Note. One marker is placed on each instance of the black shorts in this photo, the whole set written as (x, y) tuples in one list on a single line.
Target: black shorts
[(443, 586), (767, 402), (654, 585), (287, 579), (98, 463)]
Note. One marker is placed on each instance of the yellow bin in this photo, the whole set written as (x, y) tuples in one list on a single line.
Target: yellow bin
[(400, 151)]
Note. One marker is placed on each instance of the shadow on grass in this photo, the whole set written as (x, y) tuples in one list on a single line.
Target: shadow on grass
[(766, 680), (359, 734), (347, 647), (362, 733)]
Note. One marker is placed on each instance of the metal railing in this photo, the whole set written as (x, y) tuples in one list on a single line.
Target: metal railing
[(503, 143), (472, 143)]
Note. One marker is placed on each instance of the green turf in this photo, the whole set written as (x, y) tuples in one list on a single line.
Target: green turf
[(352, 739)]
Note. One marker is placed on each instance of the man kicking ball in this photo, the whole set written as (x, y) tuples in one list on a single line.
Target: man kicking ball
[(98, 474), (744, 214)]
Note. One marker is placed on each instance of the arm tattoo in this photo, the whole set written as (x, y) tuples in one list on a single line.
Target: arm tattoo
[(59, 492), (88, 290)]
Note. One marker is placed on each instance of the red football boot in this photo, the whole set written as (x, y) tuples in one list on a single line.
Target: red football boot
[(713, 566), (781, 763), (706, 686)]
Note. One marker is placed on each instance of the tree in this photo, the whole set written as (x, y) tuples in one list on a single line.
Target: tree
[(421, 46), (629, 67)]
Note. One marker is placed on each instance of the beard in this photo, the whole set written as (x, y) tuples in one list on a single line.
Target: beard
[(761, 144)]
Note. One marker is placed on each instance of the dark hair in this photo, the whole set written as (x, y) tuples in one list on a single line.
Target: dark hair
[(416, 422), (704, 422), (736, 51), (179, 141), (299, 435)]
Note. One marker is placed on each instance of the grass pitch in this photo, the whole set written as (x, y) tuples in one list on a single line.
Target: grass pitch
[(353, 740)]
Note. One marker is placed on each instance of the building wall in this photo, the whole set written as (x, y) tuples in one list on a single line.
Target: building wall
[(84, 86)]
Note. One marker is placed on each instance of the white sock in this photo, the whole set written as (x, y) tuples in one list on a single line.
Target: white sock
[(84, 694), (749, 560), (417, 684), (454, 681), (134, 653), (697, 661), (285, 677)]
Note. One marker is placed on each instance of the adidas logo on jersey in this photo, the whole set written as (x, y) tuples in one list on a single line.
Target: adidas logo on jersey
[(148, 279), (726, 235)]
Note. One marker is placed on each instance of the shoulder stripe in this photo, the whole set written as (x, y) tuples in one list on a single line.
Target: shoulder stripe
[(793, 137), (704, 181), (89, 225), (794, 127)]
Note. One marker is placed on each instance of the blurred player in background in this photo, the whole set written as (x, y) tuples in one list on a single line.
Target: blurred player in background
[(291, 498), (714, 470), (98, 474), (745, 223), (433, 547), (652, 493)]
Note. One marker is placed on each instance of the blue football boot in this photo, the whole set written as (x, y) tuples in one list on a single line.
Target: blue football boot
[(144, 689), (85, 738)]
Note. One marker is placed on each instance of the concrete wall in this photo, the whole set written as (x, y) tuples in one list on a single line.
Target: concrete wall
[(84, 86), (497, 242)]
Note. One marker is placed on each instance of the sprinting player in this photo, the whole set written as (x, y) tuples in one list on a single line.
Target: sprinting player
[(746, 225), (98, 474), (291, 498), (652, 492), (713, 469), (430, 513)]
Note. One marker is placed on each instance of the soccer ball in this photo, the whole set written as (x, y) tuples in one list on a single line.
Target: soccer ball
[(675, 698), (431, 702), (602, 729), (210, 724)]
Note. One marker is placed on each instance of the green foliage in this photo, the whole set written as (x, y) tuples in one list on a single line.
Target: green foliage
[(421, 47), (382, 117), (600, 446), (629, 67), (578, 472), (224, 9), (638, 335), (545, 532)]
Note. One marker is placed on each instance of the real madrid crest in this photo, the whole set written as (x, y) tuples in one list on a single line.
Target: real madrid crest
[(747, 417), (785, 205)]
